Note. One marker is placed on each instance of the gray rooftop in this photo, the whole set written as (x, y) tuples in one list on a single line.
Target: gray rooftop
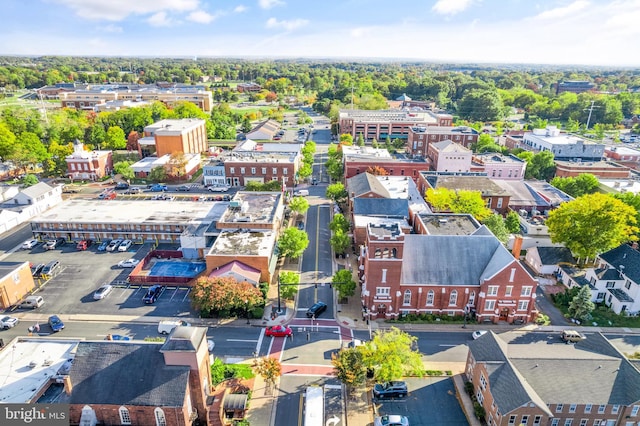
[(35, 191), (365, 182), (184, 339), (389, 207), (449, 224), (555, 255), (626, 256)]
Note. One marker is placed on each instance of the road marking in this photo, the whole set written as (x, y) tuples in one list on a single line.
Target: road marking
[(333, 386), (448, 346), (242, 340)]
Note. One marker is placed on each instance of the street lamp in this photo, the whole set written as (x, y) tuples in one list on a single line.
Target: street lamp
[(246, 303)]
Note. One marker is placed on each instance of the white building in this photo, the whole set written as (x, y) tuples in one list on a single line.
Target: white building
[(563, 145)]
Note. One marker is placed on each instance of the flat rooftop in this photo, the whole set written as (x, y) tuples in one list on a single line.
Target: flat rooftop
[(27, 365), (622, 185), (132, 211), (171, 126), (243, 242), (449, 224), (388, 116), (252, 207), (361, 221)]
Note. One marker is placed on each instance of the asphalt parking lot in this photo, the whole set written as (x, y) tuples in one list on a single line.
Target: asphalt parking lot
[(70, 291), (431, 401)]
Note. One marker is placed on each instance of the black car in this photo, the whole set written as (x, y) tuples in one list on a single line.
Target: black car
[(152, 294), (36, 270), (316, 309), (184, 188), (390, 390), (122, 185)]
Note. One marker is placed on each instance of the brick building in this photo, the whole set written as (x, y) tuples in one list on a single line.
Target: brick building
[(508, 167), (420, 137), (358, 160), (602, 169), (88, 165), (624, 156), (381, 124), (188, 135)]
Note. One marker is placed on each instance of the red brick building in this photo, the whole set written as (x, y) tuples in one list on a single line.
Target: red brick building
[(188, 135), (420, 137), (601, 169), (627, 157), (88, 165), (443, 274), (380, 124)]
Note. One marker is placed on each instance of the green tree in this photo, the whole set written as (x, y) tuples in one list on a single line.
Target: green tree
[(346, 139), (360, 140), (578, 186), (289, 282), (292, 243), (299, 205), (481, 105), (349, 368), (592, 224), (343, 282), (305, 171), (512, 222), (496, 224), (246, 125), (29, 150), (461, 201), (340, 241), (390, 355), (123, 168), (95, 135), (213, 295), (336, 192), (339, 222), (541, 166), (158, 174), (55, 164), (7, 142), (29, 180), (581, 306), (115, 138)]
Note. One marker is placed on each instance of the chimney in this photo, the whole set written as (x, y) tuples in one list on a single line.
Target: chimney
[(634, 245), (517, 246), (68, 386)]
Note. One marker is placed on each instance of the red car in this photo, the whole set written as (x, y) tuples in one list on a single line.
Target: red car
[(279, 331)]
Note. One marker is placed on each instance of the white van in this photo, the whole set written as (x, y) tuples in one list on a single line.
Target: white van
[(301, 193), (32, 302), (166, 327)]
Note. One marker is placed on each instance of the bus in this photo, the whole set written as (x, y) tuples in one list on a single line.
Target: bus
[(314, 406)]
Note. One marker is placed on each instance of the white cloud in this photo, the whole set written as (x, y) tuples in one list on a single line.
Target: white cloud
[(111, 28), (159, 19), (241, 8), (360, 32), (117, 10), (201, 17), (451, 7), (268, 4), (287, 25), (561, 12)]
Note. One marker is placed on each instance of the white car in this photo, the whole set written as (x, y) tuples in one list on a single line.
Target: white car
[(9, 322), (129, 263), (218, 188), (476, 334), (125, 245), (102, 291), (29, 244), (391, 420)]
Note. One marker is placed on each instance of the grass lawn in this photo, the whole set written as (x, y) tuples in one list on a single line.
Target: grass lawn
[(605, 317)]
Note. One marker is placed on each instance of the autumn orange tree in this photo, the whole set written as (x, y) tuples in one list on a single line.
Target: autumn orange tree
[(218, 295), (377, 171), (269, 369)]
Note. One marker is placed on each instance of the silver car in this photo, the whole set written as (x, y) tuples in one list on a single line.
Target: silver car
[(391, 420), (102, 292)]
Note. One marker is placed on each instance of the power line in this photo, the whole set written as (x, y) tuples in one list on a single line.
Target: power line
[(590, 112)]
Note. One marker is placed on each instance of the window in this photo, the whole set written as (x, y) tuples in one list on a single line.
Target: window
[(493, 290), (568, 422), (253, 170), (382, 291), (512, 419), (587, 408), (615, 409), (610, 284), (499, 205), (124, 416), (264, 170), (526, 291), (509, 290), (453, 298), (601, 409), (274, 171), (537, 420), (572, 408), (523, 305), (242, 170), (284, 171), (583, 422), (555, 422), (472, 298), (377, 254), (489, 305), (634, 410), (430, 295), (559, 408), (384, 276), (407, 297), (483, 382), (160, 419)]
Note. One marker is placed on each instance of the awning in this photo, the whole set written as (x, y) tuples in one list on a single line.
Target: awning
[(235, 401)]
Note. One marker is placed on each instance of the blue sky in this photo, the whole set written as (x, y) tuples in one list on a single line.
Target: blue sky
[(589, 32)]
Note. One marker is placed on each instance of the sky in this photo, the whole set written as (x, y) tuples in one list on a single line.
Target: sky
[(560, 32)]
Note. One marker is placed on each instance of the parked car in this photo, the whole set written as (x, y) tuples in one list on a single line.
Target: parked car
[(107, 194), (7, 322), (158, 188), (103, 246), (301, 193), (167, 326), (51, 268), (152, 294), (301, 226), (125, 245), (278, 331), (218, 188), (395, 389), (391, 420), (134, 190), (120, 337), (102, 291), (478, 333), (29, 244), (316, 309), (571, 336), (36, 270), (122, 185), (113, 245), (184, 188), (69, 190), (56, 323), (53, 244), (31, 302), (129, 263), (84, 244), (314, 181)]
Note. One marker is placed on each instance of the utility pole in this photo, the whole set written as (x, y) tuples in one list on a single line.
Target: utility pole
[(590, 112), (352, 97)]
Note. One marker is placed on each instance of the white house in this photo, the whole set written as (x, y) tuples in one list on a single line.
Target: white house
[(29, 203), (545, 260)]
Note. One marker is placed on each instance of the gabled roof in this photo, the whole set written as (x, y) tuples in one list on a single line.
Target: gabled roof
[(36, 190), (477, 257), (126, 373), (627, 257), (555, 255), (389, 207), (239, 268), (364, 183), (449, 146)]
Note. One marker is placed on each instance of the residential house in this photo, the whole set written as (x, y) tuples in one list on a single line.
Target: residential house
[(616, 279), (547, 260), (456, 275), (213, 173), (37, 198), (532, 197), (420, 137), (187, 135), (537, 379), (88, 165), (448, 156), (495, 165), (16, 282), (168, 383)]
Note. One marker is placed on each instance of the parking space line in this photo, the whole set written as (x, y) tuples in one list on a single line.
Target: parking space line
[(186, 295)]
